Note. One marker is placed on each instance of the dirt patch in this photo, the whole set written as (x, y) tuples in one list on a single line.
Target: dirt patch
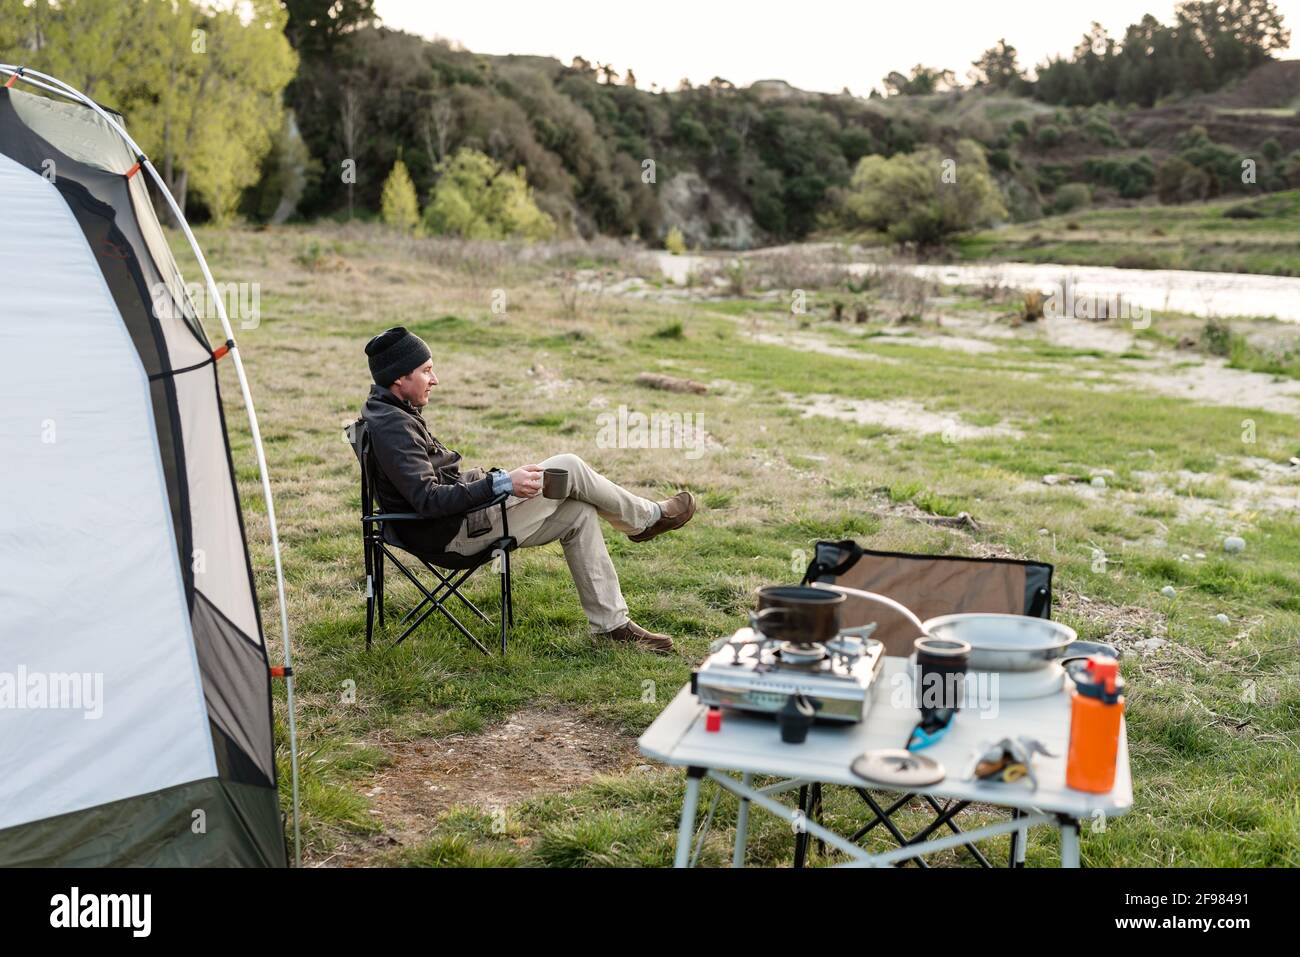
[(967, 344), (1213, 383), (900, 415), (808, 343), (535, 751)]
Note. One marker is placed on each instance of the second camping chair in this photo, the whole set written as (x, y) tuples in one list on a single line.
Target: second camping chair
[(929, 586), (380, 537)]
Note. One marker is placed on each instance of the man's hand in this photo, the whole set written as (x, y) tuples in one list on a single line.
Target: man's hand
[(527, 480)]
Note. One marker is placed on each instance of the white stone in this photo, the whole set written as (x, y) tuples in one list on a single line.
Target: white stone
[(1223, 619), (1234, 544), (1168, 591)]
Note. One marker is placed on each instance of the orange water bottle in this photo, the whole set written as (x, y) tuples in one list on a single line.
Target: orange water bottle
[(1095, 713)]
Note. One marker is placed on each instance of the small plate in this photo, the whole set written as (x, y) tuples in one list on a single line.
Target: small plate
[(898, 768)]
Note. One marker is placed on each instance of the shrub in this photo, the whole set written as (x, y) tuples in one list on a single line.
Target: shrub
[(1178, 181), (1032, 309), (476, 199), (1132, 178), (398, 206), (1098, 128), (905, 198), (1243, 211), (1072, 196), (675, 242), (1217, 338), (1291, 171), (1047, 137)]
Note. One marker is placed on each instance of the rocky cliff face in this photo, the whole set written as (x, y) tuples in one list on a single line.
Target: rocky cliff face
[(706, 217)]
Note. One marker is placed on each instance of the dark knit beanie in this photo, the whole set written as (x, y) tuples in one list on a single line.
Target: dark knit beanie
[(395, 352)]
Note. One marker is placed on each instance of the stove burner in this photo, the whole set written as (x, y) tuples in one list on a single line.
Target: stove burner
[(793, 654)]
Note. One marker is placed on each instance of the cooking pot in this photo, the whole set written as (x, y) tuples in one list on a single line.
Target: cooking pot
[(797, 614)]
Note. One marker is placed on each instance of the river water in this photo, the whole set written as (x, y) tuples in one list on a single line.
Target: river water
[(1205, 294)]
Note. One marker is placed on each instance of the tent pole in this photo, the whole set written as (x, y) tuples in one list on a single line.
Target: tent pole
[(215, 296)]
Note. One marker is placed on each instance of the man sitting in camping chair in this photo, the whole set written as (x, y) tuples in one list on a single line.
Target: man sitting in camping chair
[(416, 473)]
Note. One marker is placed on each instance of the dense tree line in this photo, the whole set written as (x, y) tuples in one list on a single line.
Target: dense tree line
[(204, 86), (1210, 43)]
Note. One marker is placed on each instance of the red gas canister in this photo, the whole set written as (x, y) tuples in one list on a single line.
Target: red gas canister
[(1095, 713)]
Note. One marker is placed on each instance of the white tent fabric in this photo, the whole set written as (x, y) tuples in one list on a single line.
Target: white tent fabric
[(82, 589)]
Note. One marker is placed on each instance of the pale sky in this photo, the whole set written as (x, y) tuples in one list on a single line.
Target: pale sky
[(821, 45)]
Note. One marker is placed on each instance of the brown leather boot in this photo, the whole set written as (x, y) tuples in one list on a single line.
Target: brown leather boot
[(677, 511), (659, 644)]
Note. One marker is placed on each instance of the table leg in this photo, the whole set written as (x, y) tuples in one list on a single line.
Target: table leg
[(742, 824), (801, 834), (686, 829), (1069, 842)]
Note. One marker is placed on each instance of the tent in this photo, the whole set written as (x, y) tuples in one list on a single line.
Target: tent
[(135, 689)]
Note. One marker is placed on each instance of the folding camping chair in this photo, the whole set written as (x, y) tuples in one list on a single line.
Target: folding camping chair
[(380, 537), (928, 585)]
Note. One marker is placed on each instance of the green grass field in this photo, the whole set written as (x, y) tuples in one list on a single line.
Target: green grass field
[(1214, 714), (1193, 236)]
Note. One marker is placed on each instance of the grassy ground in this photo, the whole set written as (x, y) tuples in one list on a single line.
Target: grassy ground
[(1200, 236), (1214, 713)]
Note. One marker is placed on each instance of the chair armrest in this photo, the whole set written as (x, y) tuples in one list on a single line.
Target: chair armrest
[(394, 517), (496, 500), (416, 516)]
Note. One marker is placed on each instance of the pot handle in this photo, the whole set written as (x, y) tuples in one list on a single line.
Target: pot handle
[(756, 617), (1083, 649), (879, 599)]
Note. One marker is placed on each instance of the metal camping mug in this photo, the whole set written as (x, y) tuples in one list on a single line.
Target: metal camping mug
[(555, 483), (940, 673)]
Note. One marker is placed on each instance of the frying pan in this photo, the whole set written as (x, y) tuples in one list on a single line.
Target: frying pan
[(998, 642)]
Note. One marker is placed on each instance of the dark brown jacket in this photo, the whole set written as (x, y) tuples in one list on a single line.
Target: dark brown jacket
[(417, 473)]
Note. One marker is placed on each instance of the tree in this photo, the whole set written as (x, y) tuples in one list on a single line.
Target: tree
[(200, 85), (997, 67), (315, 26), (95, 45), (436, 128), (475, 199), (910, 199), (924, 80), (398, 206), (351, 123)]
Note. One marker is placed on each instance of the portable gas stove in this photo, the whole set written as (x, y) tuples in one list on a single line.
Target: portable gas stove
[(751, 672)]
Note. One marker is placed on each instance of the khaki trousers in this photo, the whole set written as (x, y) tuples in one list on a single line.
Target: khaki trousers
[(538, 521)]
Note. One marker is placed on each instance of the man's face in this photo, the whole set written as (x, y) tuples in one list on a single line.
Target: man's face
[(415, 386)]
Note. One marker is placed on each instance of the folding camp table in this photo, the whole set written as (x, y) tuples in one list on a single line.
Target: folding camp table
[(750, 745)]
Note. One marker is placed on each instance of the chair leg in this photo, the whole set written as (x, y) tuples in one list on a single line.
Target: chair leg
[(370, 610), (368, 553), (469, 604), (379, 579), (505, 599), (436, 604), (510, 592)]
